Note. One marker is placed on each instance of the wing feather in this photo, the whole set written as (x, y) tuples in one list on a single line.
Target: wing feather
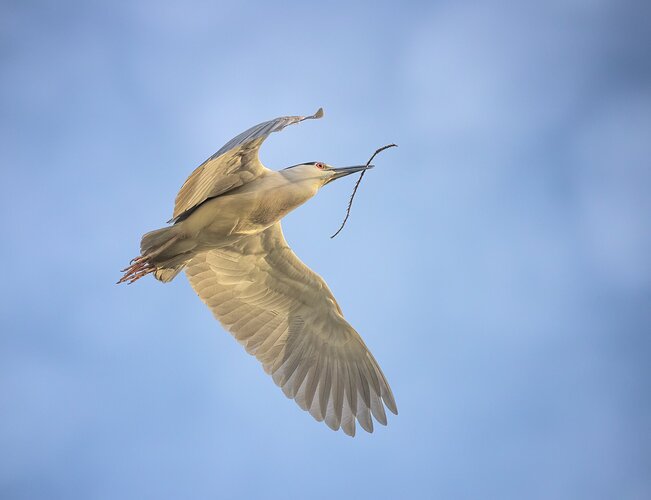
[(235, 164), (285, 315)]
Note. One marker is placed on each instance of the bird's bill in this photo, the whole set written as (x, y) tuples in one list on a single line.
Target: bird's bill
[(344, 171)]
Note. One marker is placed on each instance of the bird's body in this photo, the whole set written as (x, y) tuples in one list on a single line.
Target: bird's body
[(227, 236), (248, 209)]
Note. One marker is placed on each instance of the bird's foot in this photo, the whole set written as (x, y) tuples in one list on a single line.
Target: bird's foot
[(139, 267)]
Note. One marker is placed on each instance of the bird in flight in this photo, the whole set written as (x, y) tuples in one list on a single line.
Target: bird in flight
[(226, 235)]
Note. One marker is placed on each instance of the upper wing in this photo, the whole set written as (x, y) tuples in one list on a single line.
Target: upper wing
[(286, 316), (235, 164)]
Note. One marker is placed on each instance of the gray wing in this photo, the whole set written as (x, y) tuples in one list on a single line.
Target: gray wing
[(286, 316), (235, 164)]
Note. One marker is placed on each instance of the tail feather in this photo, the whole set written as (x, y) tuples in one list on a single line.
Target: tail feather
[(156, 242)]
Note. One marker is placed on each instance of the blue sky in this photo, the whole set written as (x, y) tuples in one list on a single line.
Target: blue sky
[(496, 263)]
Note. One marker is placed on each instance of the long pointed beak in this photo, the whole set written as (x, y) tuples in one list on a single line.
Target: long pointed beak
[(344, 171)]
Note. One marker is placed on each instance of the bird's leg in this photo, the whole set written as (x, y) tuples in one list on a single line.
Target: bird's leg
[(142, 265)]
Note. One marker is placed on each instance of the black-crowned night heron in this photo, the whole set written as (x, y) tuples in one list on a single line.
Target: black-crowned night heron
[(227, 236)]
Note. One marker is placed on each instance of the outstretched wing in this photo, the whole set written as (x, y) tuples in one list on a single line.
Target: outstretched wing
[(286, 316), (235, 164)]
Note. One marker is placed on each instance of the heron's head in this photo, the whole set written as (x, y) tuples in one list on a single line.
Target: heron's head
[(321, 173)]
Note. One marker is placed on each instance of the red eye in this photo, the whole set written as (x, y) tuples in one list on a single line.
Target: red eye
[(320, 165)]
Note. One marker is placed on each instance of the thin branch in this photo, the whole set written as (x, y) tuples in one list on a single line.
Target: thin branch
[(350, 202)]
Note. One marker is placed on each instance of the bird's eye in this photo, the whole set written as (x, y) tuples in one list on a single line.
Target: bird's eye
[(320, 165)]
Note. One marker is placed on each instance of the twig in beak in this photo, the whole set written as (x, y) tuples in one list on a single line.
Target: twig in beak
[(350, 202)]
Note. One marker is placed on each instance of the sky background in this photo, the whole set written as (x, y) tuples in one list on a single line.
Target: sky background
[(497, 263)]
